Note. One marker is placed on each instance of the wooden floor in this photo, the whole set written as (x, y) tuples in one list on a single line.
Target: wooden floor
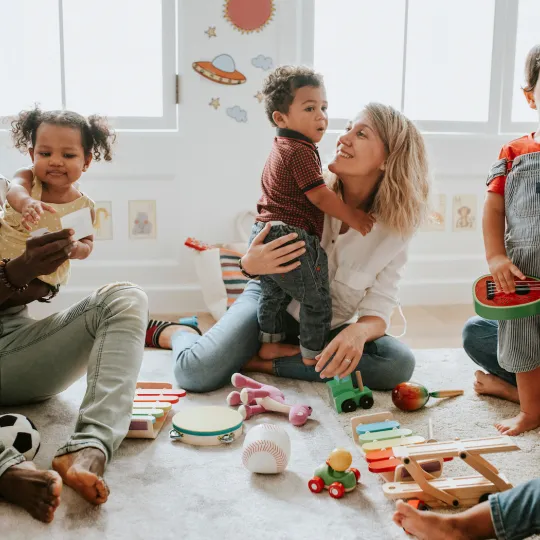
[(428, 327)]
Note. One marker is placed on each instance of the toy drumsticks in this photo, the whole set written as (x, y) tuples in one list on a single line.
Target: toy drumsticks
[(411, 396)]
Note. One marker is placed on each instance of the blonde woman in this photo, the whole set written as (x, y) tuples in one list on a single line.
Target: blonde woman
[(379, 166)]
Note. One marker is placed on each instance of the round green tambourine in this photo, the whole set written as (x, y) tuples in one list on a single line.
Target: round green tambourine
[(207, 426)]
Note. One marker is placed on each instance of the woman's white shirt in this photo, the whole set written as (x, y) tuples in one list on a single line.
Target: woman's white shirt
[(364, 272)]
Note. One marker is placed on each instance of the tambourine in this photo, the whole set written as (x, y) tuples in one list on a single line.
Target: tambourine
[(206, 426)]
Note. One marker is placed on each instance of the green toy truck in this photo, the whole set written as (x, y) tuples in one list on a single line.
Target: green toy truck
[(346, 397)]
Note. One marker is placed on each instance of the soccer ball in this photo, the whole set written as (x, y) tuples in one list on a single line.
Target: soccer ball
[(19, 432)]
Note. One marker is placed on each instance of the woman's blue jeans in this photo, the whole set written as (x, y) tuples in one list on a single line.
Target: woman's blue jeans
[(204, 363), (480, 343)]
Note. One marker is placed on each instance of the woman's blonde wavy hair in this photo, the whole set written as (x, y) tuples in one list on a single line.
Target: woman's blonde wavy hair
[(401, 197)]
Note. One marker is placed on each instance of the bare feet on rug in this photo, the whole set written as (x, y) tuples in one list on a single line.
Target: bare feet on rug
[(431, 526), (271, 351), (519, 424), (83, 472), (490, 385), (38, 492)]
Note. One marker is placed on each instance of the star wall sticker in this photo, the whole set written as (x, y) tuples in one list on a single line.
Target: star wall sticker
[(211, 32), (214, 103), (259, 96)]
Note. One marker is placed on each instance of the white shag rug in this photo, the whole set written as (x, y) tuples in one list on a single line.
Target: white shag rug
[(164, 490)]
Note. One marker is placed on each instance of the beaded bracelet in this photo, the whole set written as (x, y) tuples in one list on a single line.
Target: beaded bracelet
[(4, 279), (249, 276)]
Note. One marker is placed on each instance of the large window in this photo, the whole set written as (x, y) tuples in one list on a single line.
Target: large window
[(116, 58), (451, 66)]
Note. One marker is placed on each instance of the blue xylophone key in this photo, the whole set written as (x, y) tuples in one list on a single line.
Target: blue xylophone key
[(377, 426)]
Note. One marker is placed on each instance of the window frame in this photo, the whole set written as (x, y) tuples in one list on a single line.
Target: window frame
[(502, 72), (169, 118)]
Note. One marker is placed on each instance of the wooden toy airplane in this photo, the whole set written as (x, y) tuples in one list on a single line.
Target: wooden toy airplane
[(151, 406), (458, 491)]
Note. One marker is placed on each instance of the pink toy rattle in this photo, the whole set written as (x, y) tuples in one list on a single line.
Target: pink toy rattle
[(255, 398)]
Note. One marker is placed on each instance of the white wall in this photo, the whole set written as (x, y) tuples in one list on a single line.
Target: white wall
[(206, 173)]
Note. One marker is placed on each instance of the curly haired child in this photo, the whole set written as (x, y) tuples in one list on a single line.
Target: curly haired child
[(294, 200), (62, 145)]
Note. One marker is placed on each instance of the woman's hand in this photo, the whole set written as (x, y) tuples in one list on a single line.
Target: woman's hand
[(272, 258), (43, 256), (346, 348)]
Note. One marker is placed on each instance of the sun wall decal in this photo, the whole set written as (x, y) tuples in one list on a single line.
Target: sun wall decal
[(249, 16)]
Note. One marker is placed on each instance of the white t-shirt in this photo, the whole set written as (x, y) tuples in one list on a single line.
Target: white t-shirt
[(363, 271)]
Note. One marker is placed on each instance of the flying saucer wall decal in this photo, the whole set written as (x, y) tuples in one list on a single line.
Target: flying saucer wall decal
[(221, 69)]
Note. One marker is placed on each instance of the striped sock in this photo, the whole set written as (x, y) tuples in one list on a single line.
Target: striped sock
[(155, 327)]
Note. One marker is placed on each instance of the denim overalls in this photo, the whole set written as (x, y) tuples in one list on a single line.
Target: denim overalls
[(519, 339)]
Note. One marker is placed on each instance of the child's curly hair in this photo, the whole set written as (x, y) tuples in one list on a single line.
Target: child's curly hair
[(280, 86), (96, 136), (532, 68)]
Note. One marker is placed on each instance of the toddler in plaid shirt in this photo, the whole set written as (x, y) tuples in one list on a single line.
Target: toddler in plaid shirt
[(295, 199)]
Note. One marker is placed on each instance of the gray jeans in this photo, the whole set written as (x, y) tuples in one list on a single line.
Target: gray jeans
[(102, 336)]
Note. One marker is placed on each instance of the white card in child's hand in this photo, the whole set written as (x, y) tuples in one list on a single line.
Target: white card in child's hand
[(39, 232), (80, 221)]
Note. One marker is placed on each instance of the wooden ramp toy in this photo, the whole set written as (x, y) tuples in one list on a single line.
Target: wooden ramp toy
[(459, 491), (151, 406)]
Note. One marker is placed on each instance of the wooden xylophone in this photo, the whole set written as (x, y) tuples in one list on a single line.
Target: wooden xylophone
[(151, 406)]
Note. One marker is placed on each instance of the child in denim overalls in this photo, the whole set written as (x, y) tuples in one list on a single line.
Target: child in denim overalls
[(513, 251), (294, 199)]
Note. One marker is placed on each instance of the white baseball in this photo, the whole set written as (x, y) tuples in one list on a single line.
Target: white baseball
[(266, 449)]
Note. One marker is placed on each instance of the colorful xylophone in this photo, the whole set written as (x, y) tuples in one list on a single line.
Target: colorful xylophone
[(151, 406), (377, 435)]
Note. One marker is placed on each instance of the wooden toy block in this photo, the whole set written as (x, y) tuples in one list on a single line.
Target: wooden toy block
[(376, 427), (392, 443), (384, 435), (459, 491)]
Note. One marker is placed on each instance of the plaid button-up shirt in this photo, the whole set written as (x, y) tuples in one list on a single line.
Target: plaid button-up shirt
[(292, 169)]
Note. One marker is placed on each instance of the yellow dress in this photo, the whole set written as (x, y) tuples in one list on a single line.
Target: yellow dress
[(13, 235)]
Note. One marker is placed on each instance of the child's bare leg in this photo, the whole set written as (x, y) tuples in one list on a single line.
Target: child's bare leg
[(475, 523), (491, 385), (528, 383)]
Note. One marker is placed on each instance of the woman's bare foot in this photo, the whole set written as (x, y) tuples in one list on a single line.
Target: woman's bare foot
[(519, 424), (271, 351), (490, 385), (38, 492), (83, 471)]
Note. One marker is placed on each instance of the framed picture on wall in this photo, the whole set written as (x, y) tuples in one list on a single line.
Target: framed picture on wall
[(436, 218), (142, 219), (103, 225), (464, 213)]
